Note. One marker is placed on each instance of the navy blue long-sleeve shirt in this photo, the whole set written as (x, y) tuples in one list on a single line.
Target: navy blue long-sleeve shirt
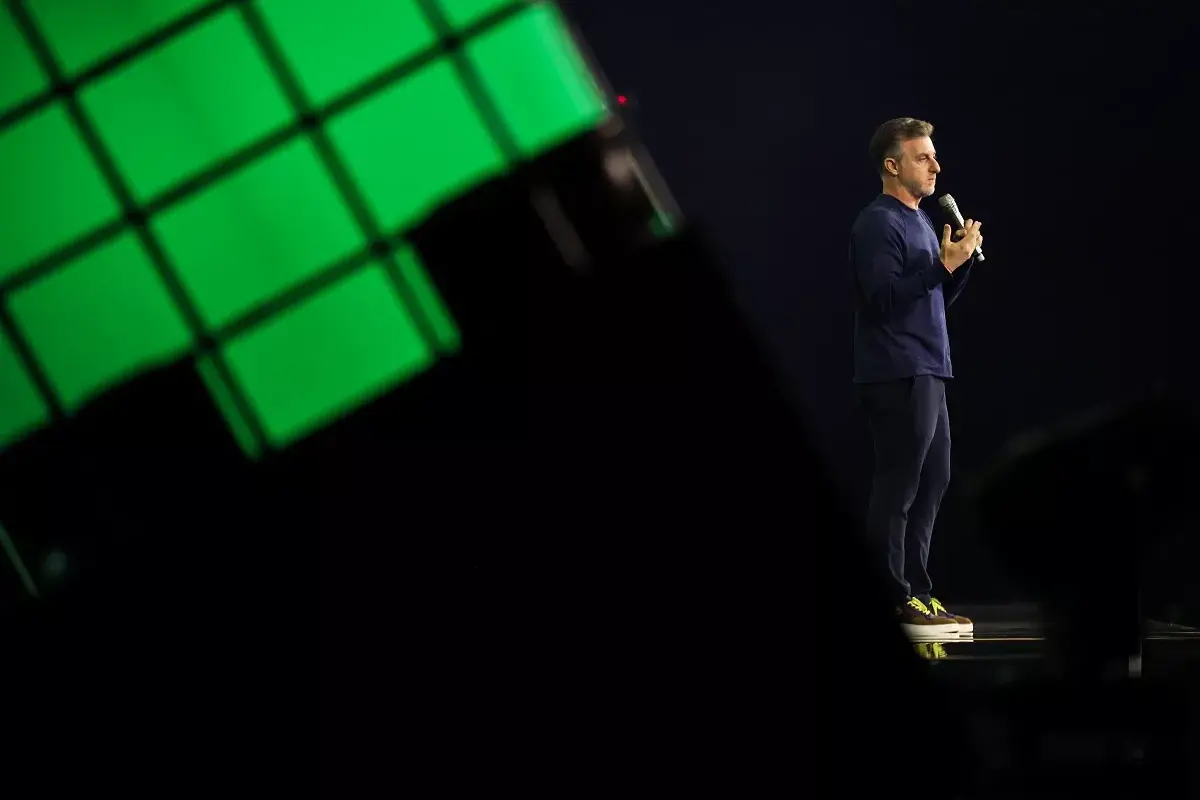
[(902, 291)]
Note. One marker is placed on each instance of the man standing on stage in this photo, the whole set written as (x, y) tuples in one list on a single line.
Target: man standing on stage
[(905, 278)]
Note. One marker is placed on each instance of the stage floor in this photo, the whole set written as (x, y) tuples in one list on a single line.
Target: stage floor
[(1009, 643)]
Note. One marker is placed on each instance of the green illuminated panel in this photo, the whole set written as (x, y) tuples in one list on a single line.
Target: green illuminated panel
[(180, 109), (327, 355), (332, 52), (416, 145), (258, 233), (536, 77), (82, 32), (461, 13), (21, 409), (49, 191), (99, 321), (22, 78), (183, 107)]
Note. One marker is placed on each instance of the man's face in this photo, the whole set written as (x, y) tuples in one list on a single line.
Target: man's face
[(917, 166)]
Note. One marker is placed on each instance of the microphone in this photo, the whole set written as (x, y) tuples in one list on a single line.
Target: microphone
[(951, 208)]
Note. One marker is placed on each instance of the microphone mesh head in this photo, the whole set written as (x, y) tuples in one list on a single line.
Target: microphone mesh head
[(947, 203)]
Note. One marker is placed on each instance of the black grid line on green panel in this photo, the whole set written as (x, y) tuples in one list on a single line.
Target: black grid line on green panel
[(299, 376), (235, 179), (102, 319)]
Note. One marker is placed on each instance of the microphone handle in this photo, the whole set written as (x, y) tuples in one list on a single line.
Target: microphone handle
[(963, 224)]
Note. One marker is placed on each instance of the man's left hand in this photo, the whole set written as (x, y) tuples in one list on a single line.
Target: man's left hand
[(960, 233)]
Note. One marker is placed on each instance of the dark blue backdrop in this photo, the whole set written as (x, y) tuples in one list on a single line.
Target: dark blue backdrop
[(1056, 126)]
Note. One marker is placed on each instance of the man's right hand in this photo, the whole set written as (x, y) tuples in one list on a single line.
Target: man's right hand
[(955, 254)]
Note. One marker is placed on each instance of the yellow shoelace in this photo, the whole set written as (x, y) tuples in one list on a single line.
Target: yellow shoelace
[(918, 605)]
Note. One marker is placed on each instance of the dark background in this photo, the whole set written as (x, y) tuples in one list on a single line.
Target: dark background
[(1064, 130), (1061, 126)]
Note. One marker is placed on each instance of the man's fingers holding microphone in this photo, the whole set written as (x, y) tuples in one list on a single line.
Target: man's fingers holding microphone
[(969, 225), (966, 239)]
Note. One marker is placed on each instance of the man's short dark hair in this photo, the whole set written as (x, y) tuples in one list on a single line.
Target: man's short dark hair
[(891, 135)]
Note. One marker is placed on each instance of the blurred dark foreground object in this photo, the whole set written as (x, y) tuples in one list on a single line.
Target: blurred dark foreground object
[(1076, 513), (1082, 515), (593, 551)]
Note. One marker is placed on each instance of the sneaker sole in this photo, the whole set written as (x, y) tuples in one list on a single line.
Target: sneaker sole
[(934, 638), (925, 632)]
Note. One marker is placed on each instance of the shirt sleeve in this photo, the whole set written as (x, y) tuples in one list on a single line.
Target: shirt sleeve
[(958, 280), (878, 254)]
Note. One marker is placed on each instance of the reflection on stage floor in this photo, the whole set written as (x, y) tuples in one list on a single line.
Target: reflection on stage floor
[(1009, 642)]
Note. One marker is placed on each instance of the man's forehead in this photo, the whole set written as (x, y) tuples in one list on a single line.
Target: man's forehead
[(921, 146)]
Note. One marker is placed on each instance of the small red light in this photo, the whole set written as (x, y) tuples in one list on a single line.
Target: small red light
[(622, 99)]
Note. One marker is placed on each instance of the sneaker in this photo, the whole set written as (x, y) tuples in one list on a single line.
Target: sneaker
[(965, 626), (918, 622)]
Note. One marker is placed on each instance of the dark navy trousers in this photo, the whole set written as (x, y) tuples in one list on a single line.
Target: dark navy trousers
[(910, 427)]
